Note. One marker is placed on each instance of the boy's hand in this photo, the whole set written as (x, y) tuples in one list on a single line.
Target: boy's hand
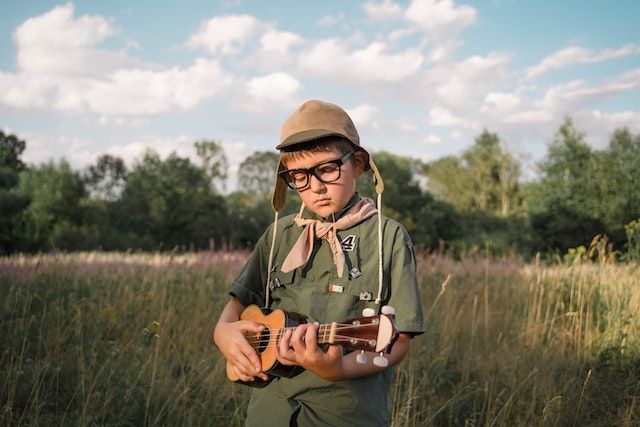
[(229, 336), (300, 347)]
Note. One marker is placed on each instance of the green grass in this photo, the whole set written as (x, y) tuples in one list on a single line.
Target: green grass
[(125, 339)]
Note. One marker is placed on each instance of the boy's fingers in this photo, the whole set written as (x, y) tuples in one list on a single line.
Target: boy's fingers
[(297, 340), (311, 336), (242, 362), (240, 373), (250, 326), (334, 352), (284, 351), (248, 358), (283, 343)]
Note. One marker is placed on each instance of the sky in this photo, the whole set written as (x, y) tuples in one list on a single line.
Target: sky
[(420, 78)]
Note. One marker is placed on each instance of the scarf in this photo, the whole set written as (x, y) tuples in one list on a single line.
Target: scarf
[(313, 228)]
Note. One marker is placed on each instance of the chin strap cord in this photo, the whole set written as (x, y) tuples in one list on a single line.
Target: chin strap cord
[(380, 271), (270, 264)]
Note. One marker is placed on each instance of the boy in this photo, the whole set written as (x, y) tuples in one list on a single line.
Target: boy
[(333, 259)]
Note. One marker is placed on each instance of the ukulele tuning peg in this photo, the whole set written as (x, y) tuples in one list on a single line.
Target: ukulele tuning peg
[(368, 312), (381, 361), (361, 358), (388, 310)]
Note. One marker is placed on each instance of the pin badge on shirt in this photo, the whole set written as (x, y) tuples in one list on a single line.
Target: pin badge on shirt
[(275, 283), (365, 296), (354, 273)]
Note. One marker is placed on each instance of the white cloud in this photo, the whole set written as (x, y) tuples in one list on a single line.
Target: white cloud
[(432, 139), (61, 68), (331, 59), (599, 125), (43, 40), (274, 89), (363, 115), (527, 117), (39, 147), (19, 91), (151, 92), (500, 102), (384, 11), (279, 42), (461, 86), (579, 55), (577, 94), (225, 34), (441, 20), (331, 20), (439, 116), (400, 34)]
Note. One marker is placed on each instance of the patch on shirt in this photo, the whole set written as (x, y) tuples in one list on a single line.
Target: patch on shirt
[(335, 288), (349, 243)]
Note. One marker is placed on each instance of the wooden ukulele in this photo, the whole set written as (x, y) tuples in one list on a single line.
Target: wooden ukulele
[(372, 332)]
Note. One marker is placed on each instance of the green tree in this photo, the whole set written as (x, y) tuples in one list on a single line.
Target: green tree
[(485, 177), (60, 215), (615, 175), (168, 204), (250, 206), (404, 199), (448, 180), (12, 204), (106, 179), (214, 162), (257, 173), (561, 205)]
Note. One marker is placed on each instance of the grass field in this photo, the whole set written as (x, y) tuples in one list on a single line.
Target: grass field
[(125, 339)]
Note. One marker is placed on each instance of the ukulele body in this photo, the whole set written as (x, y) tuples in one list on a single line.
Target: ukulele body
[(265, 343)]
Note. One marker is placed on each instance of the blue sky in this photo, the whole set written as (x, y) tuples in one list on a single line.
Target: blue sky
[(420, 78)]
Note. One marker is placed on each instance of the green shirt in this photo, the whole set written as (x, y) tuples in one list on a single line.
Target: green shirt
[(315, 291)]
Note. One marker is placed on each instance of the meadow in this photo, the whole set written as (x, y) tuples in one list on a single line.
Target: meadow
[(125, 339)]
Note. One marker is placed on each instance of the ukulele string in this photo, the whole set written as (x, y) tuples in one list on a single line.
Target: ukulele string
[(338, 339), (347, 339), (256, 338)]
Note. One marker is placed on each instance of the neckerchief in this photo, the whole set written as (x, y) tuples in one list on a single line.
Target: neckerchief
[(313, 228)]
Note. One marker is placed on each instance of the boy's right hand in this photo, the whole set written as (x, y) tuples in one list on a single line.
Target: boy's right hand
[(229, 336)]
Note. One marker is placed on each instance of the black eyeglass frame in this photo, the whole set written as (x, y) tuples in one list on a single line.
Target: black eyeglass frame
[(312, 171)]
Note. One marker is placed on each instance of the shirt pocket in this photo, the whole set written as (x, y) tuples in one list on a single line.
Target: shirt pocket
[(283, 292)]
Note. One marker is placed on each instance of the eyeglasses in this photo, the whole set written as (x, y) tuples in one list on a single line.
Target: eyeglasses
[(297, 179)]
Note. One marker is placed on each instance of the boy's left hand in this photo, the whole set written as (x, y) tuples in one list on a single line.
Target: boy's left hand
[(300, 347)]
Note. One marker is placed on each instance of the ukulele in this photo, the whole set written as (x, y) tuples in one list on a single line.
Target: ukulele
[(371, 332)]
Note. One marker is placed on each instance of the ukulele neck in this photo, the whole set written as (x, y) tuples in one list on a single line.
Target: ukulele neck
[(326, 332)]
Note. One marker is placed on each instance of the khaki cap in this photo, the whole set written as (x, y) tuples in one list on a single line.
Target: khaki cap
[(314, 120)]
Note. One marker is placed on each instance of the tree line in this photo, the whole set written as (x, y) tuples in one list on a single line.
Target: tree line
[(477, 199)]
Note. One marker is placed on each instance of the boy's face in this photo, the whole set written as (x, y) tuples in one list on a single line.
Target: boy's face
[(326, 198)]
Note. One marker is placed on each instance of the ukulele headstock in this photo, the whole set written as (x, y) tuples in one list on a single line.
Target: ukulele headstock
[(371, 332)]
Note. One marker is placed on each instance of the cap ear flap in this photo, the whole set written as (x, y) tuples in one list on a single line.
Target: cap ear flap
[(279, 190), (377, 178)]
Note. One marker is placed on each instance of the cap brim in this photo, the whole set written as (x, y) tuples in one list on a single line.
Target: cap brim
[(306, 136)]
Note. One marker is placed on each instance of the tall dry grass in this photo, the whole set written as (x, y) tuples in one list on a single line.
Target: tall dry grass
[(125, 339)]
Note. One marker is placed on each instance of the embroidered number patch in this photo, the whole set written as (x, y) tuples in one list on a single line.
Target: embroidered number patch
[(348, 243)]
